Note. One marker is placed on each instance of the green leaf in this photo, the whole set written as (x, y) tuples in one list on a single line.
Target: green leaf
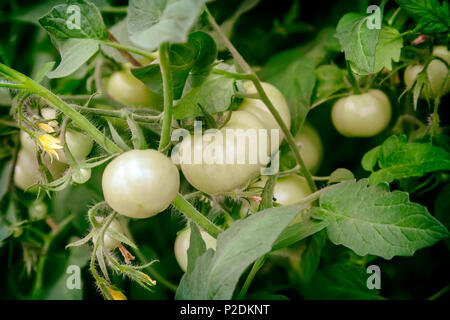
[(216, 273), (370, 220), (77, 19), (399, 159), (369, 160), (213, 95), (267, 193), (389, 48), (193, 56), (197, 247), (75, 32), (330, 79), (310, 252), (228, 25), (339, 175), (5, 232), (340, 281), (430, 16), (358, 41), (43, 70), (74, 53), (294, 75), (299, 231), (154, 22)]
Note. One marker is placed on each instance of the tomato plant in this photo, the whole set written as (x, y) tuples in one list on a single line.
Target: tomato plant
[(198, 150)]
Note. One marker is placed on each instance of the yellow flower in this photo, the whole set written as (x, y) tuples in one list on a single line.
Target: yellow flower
[(46, 127), (50, 144), (116, 294), (149, 280)]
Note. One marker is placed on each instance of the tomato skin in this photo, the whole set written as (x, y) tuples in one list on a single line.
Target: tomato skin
[(311, 148), (257, 108), (124, 87), (442, 52), (288, 190), (140, 183), (216, 177), (362, 115), (211, 176), (437, 73), (82, 175), (109, 242), (26, 171), (79, 144), (37, 210), (27, 143), (182, 245)]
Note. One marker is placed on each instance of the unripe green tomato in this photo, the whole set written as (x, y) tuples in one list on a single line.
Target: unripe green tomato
[(362, 115), (37, 210), (140, 183), (26, 171), (260, 110), (27, 143), (437, 73), (48, 113), (109, 242), (287, 191), (124, 87), (442, 52), (81, 175), (212, 174), (311, 149), (55, 167), (79, 144), (182, 245)]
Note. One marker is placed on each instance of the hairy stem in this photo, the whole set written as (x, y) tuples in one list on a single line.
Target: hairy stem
[(62, 106), (122, 47), (189, 211), (255, 268), (168, 97)]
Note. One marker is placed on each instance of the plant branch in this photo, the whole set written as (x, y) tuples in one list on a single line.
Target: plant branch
[(149, 55), (62, 106), (189, 211), (250, 74), (168, 97)]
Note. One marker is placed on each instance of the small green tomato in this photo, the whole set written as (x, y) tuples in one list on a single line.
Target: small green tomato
[(182, 245), (81, 175), (311, 148), (124, 87)]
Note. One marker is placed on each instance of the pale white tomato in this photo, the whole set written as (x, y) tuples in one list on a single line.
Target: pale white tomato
[(182, 245), (362, 115), (140, 183)]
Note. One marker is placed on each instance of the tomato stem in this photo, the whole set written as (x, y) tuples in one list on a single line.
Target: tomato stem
[(122, 47), (62, 106), (189, 211), (255, 268), (251, 75), (352, 79), (168, 97)]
